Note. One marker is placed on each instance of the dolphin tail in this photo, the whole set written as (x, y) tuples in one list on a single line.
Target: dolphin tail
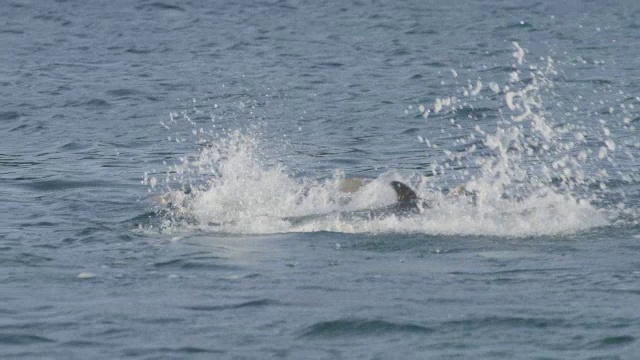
[(403, 192)]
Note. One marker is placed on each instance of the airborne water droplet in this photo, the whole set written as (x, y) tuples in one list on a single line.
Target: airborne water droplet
[(602, 153)]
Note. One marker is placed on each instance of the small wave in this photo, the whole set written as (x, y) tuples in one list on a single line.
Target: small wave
[(11, 160), (327, 64), (57, 185), (9, 115), (20, 127), (23, 339), (191, 264), (249, 304), (82, 344), (508, 322), (612, 342), (190, 350), (123, 93), (160, 6), (163, 352), (38, 224), (74, 146), (12, 31), (361, 327), (591, 81), (98, 103), (135, 50), (27, 259), (93, 104)]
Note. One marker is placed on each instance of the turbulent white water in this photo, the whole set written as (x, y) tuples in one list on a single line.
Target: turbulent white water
[(525, 177)]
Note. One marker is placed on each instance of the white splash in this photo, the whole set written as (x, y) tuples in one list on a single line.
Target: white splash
[(518, 53), (243, 194), (529, 180)]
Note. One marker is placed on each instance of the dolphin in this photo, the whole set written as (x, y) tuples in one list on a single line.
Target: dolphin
[(404, 193), (407, 204)]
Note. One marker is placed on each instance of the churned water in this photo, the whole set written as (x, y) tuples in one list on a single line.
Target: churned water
[(204, 179)]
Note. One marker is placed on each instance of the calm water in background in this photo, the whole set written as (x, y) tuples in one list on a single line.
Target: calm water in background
[(84, 88)]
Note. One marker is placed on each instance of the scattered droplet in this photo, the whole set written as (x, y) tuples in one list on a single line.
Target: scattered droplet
[(86, 275)]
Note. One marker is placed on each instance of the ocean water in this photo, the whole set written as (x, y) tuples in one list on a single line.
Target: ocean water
[(172, 179)]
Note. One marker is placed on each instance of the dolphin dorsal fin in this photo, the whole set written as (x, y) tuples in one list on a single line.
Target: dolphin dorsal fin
[(403, 192)]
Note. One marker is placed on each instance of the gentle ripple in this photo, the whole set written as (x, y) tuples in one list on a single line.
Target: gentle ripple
[(84, 87)]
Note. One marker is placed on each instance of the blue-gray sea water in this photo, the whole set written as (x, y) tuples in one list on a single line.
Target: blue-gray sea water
[(172, 172)]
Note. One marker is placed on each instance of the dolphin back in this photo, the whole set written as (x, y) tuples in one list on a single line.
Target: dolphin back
[(404, 193)]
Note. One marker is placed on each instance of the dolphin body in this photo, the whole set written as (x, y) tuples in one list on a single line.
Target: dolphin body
[(407, 204)]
